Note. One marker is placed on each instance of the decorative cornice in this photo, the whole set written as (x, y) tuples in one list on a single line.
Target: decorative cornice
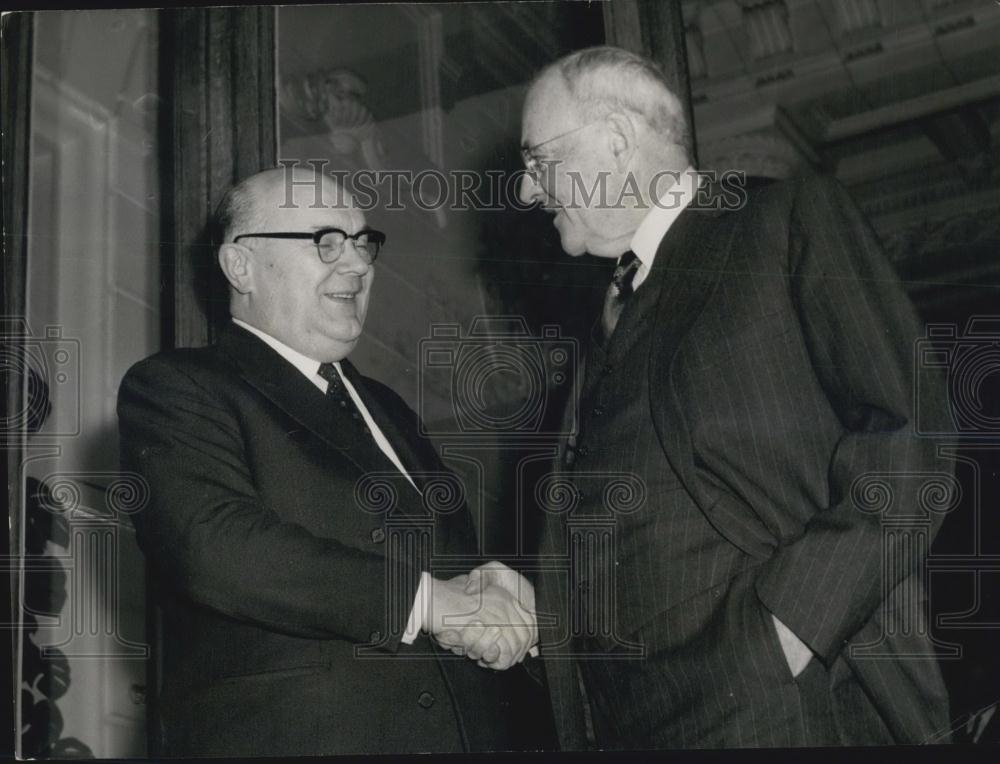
[(933, 235), (763, 153), (766, 24), (856, 15), (894, 201)]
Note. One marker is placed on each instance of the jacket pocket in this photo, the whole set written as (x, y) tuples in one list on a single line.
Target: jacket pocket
[(277, 673)]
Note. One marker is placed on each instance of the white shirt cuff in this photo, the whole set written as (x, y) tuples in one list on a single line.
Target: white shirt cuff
[(415, 623)]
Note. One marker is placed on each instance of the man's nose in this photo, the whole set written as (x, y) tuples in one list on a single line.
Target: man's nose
[(529, 191), (352, 260)]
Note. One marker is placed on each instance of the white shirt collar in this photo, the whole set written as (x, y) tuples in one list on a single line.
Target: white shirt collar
[(310, 368), (303, 363), (661, 216)]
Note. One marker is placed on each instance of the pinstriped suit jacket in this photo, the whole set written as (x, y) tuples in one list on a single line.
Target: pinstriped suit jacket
[(783, 387)]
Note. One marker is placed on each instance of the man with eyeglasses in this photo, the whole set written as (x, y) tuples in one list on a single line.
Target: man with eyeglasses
[(292, 519), (752, 368)]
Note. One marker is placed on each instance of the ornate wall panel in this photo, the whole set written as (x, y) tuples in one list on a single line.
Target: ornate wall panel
[(898, 99)]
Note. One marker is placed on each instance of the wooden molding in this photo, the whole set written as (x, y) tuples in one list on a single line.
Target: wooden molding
[(16, 35), (218, 74)]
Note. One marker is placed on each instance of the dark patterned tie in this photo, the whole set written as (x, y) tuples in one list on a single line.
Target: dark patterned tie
[(619, 290), (337, 394)]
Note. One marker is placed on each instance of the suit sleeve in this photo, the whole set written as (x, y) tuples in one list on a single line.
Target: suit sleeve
[(207, 531), (859, 328)]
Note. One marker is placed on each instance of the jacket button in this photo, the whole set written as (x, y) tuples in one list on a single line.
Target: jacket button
[(375, 636), (582, 451), (378, 535), (598, 411), (426, 700)]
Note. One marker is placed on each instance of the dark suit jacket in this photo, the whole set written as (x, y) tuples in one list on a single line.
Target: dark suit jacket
[(783, 387), (273, 565)]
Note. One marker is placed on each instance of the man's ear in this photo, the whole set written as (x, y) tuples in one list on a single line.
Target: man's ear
[(622, 138), (234, 259)]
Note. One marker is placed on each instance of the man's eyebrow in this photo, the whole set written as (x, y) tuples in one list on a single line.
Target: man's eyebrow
[(363, 228)]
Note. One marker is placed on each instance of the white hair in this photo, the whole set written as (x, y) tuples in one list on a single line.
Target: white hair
[(604, 79)]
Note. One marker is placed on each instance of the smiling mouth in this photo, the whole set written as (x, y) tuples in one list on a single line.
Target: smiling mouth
[(341, 296)]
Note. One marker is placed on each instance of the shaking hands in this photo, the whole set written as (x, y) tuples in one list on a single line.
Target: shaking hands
[(487, 615)]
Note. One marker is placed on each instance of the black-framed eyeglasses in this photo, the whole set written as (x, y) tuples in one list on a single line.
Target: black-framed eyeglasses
[(532, 164), (330, 242)]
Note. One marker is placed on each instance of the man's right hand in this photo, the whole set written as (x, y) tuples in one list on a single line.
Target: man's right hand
[(520, 588), (487, 626)]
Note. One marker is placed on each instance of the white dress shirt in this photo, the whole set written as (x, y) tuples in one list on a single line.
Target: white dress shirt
[(310, 370), (647, 237)]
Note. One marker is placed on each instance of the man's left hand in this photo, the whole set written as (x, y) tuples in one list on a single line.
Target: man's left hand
[(797, 653)]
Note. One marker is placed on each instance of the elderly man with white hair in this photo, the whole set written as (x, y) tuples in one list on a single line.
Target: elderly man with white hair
[(752, 368)]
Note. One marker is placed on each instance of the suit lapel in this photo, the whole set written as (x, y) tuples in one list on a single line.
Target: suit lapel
[(285, 386), (695, 252), (692, 259), (402, 441)]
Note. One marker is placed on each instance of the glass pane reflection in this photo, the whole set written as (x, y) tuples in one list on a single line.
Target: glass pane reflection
[(433, 93)]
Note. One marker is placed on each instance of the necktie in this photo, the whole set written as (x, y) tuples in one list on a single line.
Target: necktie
[(375, 446), (337, 394), (619, 290)]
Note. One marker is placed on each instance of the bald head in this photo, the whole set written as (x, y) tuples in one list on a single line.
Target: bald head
[(254, 203)]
